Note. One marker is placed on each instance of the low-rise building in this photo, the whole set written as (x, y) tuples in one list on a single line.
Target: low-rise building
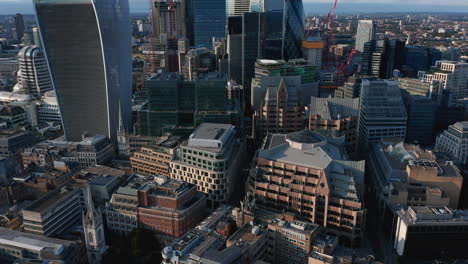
[(97, 150), (12, 142), (405, 175), (439, 232), (16, 245), (155, 159), (103, 182), (166, 206), (292, 240), (54, 213)]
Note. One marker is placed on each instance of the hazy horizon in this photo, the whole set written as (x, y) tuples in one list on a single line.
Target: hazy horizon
[(8, 7)]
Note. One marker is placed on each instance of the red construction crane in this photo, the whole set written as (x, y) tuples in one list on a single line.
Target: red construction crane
[(341, 70)]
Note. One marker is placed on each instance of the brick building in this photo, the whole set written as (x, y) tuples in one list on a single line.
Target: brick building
[(166, 206)]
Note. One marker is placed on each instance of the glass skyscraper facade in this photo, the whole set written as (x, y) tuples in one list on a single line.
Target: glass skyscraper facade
[(178, 106), (87, 45), (209, 20), (293, 30)]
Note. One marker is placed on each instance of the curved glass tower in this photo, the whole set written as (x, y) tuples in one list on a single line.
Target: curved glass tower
[(87, 45), (293, 30)]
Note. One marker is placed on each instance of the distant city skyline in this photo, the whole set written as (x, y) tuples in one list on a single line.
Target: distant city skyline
[(311, 6)]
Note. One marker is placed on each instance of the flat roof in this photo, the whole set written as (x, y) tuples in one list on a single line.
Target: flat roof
[(32, 242), (210, 131), (50, 199)]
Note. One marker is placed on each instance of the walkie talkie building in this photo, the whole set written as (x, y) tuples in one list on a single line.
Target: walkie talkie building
[(87, 45)]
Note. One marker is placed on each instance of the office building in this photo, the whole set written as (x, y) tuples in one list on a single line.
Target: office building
[(351, 88), (292, 240), (170, 207), (18, 246), (12, 142), (421, 112), (298, 70), (121, 211), (178, 106), (88, 152), (48, 110), (280, 110), (293, 29), (209, 20), (165, 206), (421, 87), (453, 77), (19, 27), (382, 57), (14, 116), (238, 7), (453, 141), (103, 182), (336, 117), (89, 63), (382, 112), (439, 232), (365, 33), (155, 159), (55, 213), (309, 174), (403, 175), (128, 143), (420, 58), (33, 75), (211, 159)]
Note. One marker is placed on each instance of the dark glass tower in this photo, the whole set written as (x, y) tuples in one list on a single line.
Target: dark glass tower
[(293, 30), (209, 20), (87, 45)]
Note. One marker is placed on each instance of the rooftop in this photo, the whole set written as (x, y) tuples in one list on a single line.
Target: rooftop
[(165, 76), (432, 215), (104, 171), (462, 126), (51, 199), (334, 108), (102, 180), (32, 242)]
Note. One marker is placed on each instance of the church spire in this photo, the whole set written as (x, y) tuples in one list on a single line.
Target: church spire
[(93, 230)]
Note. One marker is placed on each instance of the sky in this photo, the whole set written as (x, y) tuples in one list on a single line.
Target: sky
[(311, 6)]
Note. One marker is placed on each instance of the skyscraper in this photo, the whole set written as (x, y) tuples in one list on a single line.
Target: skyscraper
[(209, 20), (238, 7), (169, 18), (33, 76), (293, 29), (381, 57), (365, 33), (382, 113), (87, 45), (19, 27)]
